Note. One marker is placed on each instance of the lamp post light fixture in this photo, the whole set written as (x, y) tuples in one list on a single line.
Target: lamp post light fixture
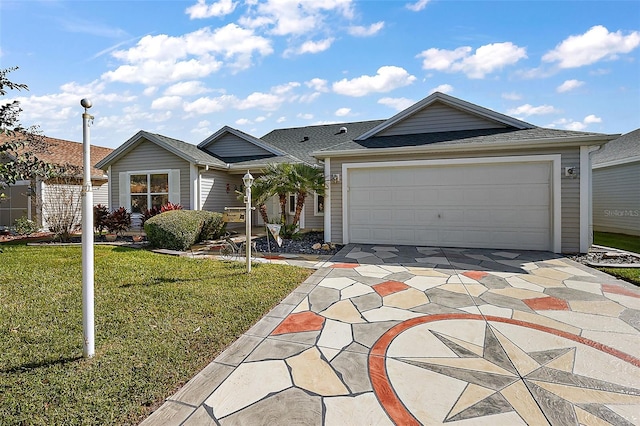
[(88, 323), (248, 182)]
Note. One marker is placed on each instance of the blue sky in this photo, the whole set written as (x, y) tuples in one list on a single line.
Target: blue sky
[(186, 68)]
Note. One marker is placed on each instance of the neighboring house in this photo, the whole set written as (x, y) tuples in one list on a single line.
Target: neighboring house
[(616, 186), (36, 198), (443, 172)]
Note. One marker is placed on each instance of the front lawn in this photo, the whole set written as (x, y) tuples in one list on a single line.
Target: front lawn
[(623, 242), (619, 241), (159, 320)]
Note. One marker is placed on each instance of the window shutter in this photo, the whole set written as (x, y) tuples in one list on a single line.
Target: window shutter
[(174, 186), (123, 193)]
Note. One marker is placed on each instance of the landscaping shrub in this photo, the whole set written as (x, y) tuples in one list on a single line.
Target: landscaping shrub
[(100, 215), (180, 229), (213, 228), (118, 221), (25, 226)]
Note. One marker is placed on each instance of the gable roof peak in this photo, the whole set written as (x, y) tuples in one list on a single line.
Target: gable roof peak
[(453, 102), (240, 134)]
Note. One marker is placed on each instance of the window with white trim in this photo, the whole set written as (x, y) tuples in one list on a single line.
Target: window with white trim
[(139, 190), (318, 205), (292, 200), (148, 190)]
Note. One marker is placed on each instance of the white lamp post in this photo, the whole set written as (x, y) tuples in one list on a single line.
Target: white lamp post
[(88, 326), (248, 181)]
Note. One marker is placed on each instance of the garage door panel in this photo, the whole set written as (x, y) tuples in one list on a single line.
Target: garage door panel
[(502, 205)]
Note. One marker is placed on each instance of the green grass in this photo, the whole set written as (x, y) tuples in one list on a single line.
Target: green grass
[(159, 320), (619, 241), (624, 242)]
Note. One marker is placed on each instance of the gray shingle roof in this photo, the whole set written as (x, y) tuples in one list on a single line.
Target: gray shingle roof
[(190, 152), (626, 146), (320, 137), (483, 136)]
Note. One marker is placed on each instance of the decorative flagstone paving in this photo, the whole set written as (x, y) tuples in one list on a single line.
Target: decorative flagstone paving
[(422, 335)]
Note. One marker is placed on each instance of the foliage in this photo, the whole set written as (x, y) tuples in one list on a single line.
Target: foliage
[(290, 232), (180, 229), (62, 207), (307, 179), (25, 226), (118, 221), (100, 215), (282, 179), (149, 213), (186, 311), (278, 179), (19, 146), (213, 227), (170, 206)]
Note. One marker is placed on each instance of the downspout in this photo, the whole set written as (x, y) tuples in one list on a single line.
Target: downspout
[(586, 197), (327, 200)]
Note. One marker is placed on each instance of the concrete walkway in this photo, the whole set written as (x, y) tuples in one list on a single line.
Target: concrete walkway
[(406, 335)]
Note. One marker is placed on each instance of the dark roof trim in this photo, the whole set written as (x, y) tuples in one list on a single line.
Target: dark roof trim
[(452, 102), (242, 135), (151, 137)]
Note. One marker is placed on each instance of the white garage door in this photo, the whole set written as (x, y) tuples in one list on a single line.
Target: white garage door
[(497, 205)]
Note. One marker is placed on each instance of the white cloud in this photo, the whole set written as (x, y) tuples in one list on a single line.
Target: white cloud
[(341, 112), (417, 6), (527, 110), (186, 88), (167, 103), (386, 79), (311, 47), (203, 10), (570, 124), (589, 119), (281, 120), (443, 88), (569, 85), (398, 104), (361, 31), (243, 121), (156, 60), (284, 89), (305, 116), (266, 101), (260, 119), (206, 105), (307, 99), (317, 84), (594, 45), (149, 91), (511, 96), (486, 59), (294, 17)]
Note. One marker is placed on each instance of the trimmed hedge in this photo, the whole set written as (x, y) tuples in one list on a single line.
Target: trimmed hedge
[(180, 229)]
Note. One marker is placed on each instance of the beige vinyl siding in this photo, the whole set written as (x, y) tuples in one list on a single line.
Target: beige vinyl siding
[(230, 145), (616, 199), (570, 188), (100, 193), (149, 156), (311, 221), (213, 187), (439, 118)]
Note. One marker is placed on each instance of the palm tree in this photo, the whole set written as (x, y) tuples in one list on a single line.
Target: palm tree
[(259, 195), (278, 179), (306, 179)]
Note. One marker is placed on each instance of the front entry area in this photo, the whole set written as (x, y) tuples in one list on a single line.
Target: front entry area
[(495, 204)]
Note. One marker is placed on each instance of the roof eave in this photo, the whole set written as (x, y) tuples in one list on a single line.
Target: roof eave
[(451, 101), (436, 148)]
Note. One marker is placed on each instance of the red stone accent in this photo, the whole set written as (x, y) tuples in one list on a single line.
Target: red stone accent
[(272, 256), (389, 287), (345, 265), (377, 357), (547, 304), (297, 323), (617, 289), (475, 275)]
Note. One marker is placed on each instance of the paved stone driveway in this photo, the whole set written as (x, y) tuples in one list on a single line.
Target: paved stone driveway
[(405, 335)]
